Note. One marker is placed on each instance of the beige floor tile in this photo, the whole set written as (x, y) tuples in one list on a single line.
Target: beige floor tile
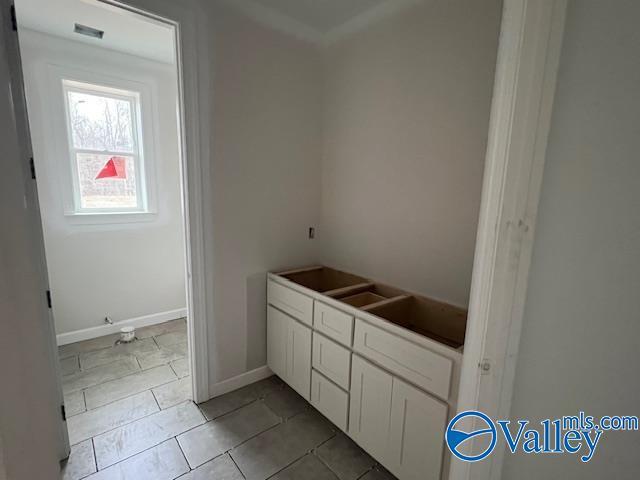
[(221, 468), (162, 355), (181, 367), (271, 451), (243, 396), (286, 402), (81, 462), (74, 403), (378, 473), (163, 462), (99, 375), (69, 365), (173, 393), (113, 415), (218, 436), (179, 325), (123, 387), (218, 406), (308, 467), (171, 338), (98, 343), (345, 458), (117, 352), (133, 438)]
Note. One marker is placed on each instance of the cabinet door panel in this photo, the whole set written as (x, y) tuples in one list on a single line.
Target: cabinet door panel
[(416, 439), (277, 327), (370, 407), (299, 359), (332, 360), (330, 400)]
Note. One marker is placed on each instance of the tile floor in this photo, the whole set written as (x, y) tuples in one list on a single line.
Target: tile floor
[(130, 417)]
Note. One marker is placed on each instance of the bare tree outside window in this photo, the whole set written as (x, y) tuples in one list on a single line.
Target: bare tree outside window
[(101, 130)]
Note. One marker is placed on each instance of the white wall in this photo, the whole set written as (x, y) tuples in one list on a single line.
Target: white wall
[(580, 344), (406, 119), (120, 270), (266, 149)]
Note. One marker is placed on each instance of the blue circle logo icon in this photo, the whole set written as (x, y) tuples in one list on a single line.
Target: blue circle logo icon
[(482, 425)]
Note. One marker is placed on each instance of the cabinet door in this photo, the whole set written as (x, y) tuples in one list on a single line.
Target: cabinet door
[(370, 407), (416, 437), (299, 359), (277, 328)]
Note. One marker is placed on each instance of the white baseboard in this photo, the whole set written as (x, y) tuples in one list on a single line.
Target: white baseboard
[(239, 381), (137, 322)]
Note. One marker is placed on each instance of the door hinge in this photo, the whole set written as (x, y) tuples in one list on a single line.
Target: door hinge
[(63, 412), (49, 298), (32, 166), (14, 20)]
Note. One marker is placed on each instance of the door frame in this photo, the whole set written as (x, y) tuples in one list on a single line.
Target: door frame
[(525, 79), (194, 131), (526, 70), (32, 210)]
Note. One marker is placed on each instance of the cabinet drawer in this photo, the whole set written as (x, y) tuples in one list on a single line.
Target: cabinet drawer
[(289, 301), (332, 360), (418, 365), (333, 323), (330, 400)]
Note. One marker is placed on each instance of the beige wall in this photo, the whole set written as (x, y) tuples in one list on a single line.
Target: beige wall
[(29, 397), (580, 343), (405, 125), (266, 150), (379, 142)]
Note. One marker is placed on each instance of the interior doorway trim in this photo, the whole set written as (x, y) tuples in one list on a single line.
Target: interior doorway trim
[(526, 71), (193, 72)]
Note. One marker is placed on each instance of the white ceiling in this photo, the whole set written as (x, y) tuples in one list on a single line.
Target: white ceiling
[(319, 21), (123, 31), (321, 15)]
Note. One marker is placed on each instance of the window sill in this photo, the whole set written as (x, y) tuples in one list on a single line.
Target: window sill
[(109, 218)]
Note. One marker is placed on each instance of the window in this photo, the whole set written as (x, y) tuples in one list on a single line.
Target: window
[(104, 135)]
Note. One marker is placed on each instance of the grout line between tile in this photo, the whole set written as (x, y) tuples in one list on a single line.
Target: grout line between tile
[(183, 455), (320, 459), (153, 394), (134, 373), (237, 466), (230, 411)]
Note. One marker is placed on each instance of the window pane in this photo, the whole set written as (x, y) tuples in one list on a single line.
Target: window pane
[(107, 181), (100, 123)]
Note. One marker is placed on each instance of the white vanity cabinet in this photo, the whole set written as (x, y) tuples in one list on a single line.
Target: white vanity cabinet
[(396, 423), (380, 363), (289, 350), (416, 434), (277, 338), (370, 408)]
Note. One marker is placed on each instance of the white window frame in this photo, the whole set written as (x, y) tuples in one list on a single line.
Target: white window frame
[(63, 162), (133, 99)]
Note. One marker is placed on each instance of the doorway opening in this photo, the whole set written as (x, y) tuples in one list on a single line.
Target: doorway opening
[(103, 90)]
